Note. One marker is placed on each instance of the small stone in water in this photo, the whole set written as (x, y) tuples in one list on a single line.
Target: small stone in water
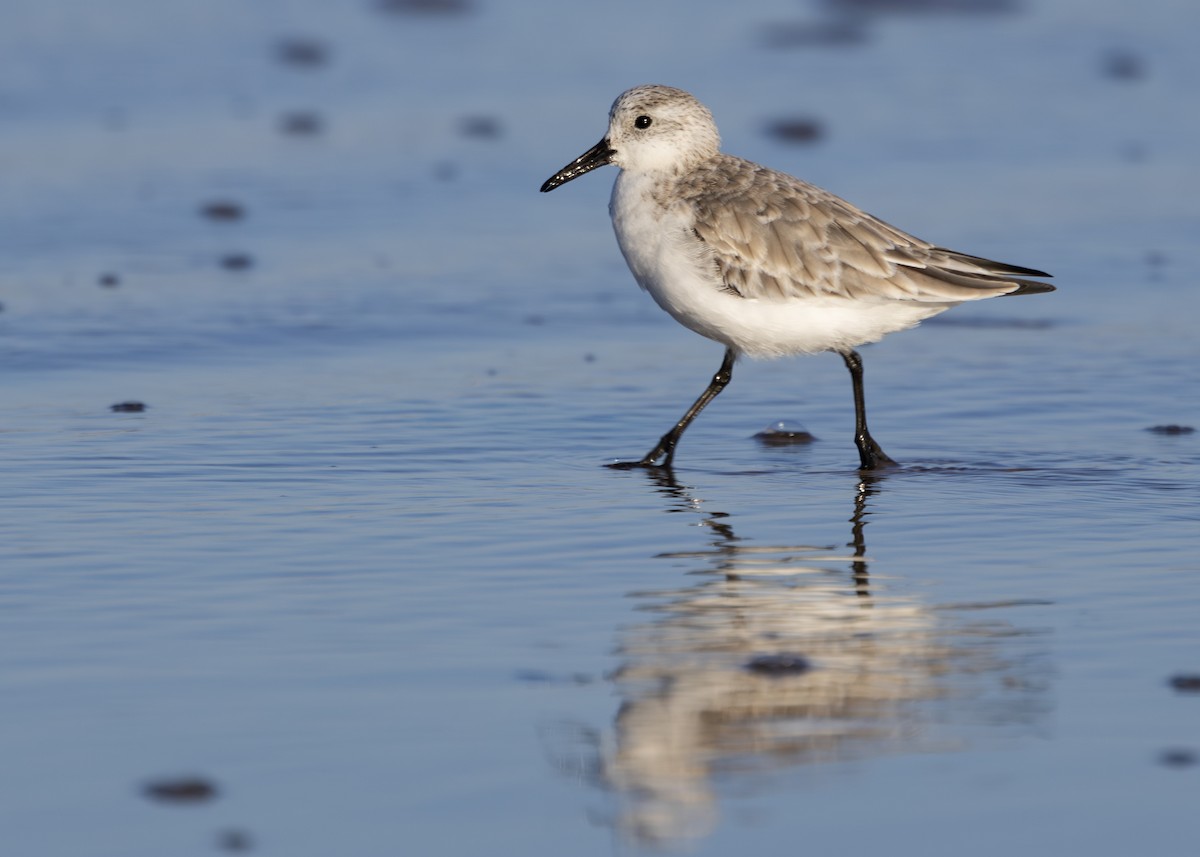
[(223, 210), (1171, 429), (1186, 682), (237, 261), (777, 666), (181, 790), (1177, 757), (782, 434)]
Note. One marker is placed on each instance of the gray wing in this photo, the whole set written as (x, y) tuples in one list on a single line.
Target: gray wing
[(772, 236)]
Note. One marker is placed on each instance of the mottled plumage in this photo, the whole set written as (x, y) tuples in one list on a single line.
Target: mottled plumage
[(760, 261), (776, 237)]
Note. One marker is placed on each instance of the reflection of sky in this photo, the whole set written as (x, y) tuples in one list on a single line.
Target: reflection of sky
[(366, 491), (171, 94), (998, 133)]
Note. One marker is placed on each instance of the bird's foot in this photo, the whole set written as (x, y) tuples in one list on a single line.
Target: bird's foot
[(871, 455), (648, 462), (872, 458)]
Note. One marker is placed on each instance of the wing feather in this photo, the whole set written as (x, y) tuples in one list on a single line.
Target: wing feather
[(775, 237)]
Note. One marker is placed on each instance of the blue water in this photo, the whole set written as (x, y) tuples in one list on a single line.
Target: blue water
[(357, 565)]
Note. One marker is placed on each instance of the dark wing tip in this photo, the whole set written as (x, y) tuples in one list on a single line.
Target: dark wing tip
[(994, 267), (1022, 272), (1032, 287)]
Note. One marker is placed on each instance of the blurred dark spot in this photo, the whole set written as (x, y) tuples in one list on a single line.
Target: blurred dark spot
[(533, 676), (535, 320), (222, 210), (234, 840), (983, 321), (589, 358), (834, 32), (237, 261), (425, 7), (778, 666), (543, 677), (781, 434), (181, 790), (1185, 682), (1124, 65), (923, 6), (1156, 259), (302, 52), (1171, 429), (1177, 757), (128, 408), (1134, 153), (480, 127), (799, 129), (445, 171), (109, 281), (301, 123)]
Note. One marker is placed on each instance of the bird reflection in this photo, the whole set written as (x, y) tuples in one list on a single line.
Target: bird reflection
[(790, 655)]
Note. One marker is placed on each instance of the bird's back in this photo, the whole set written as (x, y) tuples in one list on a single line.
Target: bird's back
[(774, 237)]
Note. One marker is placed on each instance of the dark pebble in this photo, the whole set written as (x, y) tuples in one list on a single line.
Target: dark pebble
[(795, 130), (181, 790), (778, 666), (480, 127), (1185, 682), (1171, 429), (1123, 65), (237, 261), (222, 210), (234, 840), (127, 407), (301, 123), (781, 435), (302, 52), (1177, 757), (109, 281)]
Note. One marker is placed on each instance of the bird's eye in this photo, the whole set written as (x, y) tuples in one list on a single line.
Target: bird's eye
[(642, 122)]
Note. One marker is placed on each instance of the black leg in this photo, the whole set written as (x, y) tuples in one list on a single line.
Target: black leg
[(666, 445), (870, 455)]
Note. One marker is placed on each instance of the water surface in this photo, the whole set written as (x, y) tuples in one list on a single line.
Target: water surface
[(357, 568)]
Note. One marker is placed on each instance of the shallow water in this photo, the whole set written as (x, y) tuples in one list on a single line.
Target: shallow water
[(357, 568)]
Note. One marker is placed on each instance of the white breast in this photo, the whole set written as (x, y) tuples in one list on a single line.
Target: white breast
[(665, 256), (671, 263)]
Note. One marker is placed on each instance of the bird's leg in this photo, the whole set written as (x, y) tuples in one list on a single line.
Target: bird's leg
[(870, 455), (666, 445)]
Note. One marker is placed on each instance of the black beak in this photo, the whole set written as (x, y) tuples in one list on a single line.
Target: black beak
[(597, 156)]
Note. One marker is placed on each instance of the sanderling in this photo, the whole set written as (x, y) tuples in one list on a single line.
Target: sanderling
[(764, 263)]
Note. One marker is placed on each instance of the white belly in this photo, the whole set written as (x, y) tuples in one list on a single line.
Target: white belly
[(669, 261)]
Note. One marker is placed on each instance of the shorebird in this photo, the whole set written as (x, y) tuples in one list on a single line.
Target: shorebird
[(762, 262)]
